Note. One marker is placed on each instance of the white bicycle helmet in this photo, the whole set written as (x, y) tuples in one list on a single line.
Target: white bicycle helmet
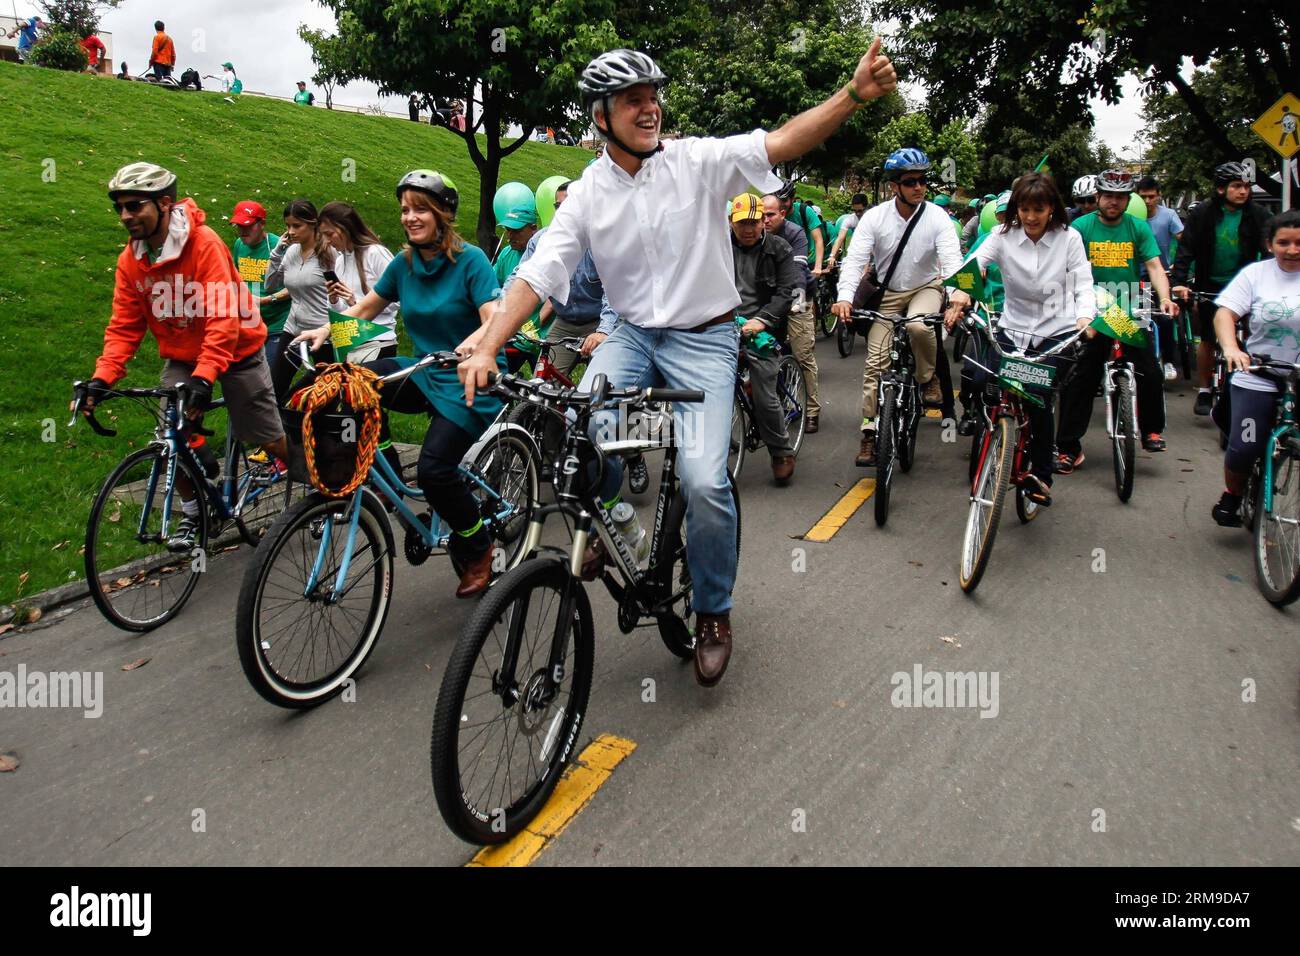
[(1085, 186), (146, 179)]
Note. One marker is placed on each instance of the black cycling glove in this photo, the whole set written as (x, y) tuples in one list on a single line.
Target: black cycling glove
[(200, 392)]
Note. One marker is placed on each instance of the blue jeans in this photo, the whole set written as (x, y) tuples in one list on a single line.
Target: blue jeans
[(633, 357)]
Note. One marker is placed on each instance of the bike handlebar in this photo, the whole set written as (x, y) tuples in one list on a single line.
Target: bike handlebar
[(440, 359), (970, 323)]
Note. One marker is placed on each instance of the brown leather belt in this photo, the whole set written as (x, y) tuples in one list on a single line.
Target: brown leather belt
[(728, 316)]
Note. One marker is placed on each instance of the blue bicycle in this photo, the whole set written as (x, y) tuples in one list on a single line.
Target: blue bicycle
[(140, 571), (314, 600)]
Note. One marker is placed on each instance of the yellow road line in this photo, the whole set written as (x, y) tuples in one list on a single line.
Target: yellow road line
[(842, 511), (574, 791)]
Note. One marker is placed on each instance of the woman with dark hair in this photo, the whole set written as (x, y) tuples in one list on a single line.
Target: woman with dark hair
[(447, 291), (1267, 295), (299, 262), (361, 260), (1047, 284)]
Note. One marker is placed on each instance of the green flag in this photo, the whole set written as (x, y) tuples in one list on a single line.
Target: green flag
[(1118, 324), (347, 333), (968, 279), (1041, 163)]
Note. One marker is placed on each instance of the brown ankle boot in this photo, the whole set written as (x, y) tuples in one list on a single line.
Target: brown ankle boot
[(867, 453), (477, 576)]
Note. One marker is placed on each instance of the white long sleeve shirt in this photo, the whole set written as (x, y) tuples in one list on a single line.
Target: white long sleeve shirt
[(1048, 283), (932, 251), (660, 239)]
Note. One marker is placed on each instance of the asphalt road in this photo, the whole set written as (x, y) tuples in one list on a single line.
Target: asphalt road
[(1120, 736)]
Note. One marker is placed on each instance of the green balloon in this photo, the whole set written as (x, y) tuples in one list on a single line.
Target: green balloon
[(546, 198), (1136, 207), (988, 216), (510, 196)]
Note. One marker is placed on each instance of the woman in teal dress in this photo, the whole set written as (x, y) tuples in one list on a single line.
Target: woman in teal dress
[(446, 289)]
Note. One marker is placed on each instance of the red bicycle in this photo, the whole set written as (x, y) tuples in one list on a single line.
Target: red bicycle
[(1002, 460)]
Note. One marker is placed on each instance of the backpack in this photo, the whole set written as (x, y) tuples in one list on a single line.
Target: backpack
[(191, 78), (801, 208)]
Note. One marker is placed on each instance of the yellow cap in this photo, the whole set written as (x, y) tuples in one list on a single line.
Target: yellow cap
[(746, 206)]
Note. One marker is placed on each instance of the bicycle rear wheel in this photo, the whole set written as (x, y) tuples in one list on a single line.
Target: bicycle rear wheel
[(1123, 446), (886, 452), (987, 497), (299, 635), (509, 465), (1277, 533), (792, 391), (672, 577), (137, 583), (262, 493), (496, 752)]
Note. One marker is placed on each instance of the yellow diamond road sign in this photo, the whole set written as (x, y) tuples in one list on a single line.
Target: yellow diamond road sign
[(1280, 126)]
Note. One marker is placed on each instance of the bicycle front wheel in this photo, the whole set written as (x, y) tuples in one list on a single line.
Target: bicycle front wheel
[(739, 436), (300, 632), (1123, 450), (844, 339), (792, 391), (886, 452), (498, 748), (1277, 534), (987, 497), (136, 581)]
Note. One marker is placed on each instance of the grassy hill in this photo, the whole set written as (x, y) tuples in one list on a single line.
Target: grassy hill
[(65, 135)]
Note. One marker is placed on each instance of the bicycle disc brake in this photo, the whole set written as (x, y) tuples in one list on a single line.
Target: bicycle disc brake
[(414, 545)]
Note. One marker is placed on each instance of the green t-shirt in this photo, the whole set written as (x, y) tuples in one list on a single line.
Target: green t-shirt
[(994, 294), (440, 302), (806, 218), (506, 262), (252, 265), (304, 97), (1227, 251), (1117, 251)]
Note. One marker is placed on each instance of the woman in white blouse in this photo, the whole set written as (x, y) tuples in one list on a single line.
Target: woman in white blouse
[(362, 259), (1048, 284)]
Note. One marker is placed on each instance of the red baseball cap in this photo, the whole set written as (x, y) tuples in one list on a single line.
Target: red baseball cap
[(248, 212)]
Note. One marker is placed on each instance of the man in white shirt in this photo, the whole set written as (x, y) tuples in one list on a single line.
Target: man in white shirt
[(931, 254), (649, 211)]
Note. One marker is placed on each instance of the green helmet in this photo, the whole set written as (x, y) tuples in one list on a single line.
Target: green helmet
[(440, 187), (942, 200), (146, 179)]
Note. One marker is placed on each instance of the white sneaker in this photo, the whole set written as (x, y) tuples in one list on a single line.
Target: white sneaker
[(1171, 373)]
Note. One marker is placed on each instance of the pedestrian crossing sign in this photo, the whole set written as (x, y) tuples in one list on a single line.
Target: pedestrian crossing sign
[(1280, 126)]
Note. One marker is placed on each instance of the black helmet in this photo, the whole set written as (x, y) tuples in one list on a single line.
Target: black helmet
[(617, 70), (786, 192), (1229, 172), (440, 187)]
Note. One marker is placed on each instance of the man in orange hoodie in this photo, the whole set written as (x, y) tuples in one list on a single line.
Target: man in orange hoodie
[(176, 278), (163, 56)]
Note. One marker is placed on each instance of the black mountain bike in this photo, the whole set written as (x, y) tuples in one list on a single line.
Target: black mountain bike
[(515, 690), (898, 403)]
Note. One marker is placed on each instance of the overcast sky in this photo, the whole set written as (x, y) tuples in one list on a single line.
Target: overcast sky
[(260, 38)]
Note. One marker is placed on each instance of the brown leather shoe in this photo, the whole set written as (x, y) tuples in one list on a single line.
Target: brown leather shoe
[(593, 561), (712, 647), (867, 453), (812, 425), (783, 468), (931, 393), (477, 575)]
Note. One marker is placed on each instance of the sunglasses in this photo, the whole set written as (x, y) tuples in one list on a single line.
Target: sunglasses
[(132, 206), (912, 183)]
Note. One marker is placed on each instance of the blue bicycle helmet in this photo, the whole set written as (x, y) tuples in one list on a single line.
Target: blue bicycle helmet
[(909, 159)]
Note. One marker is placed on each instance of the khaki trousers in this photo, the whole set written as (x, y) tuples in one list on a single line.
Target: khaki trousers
[(923, 301)]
